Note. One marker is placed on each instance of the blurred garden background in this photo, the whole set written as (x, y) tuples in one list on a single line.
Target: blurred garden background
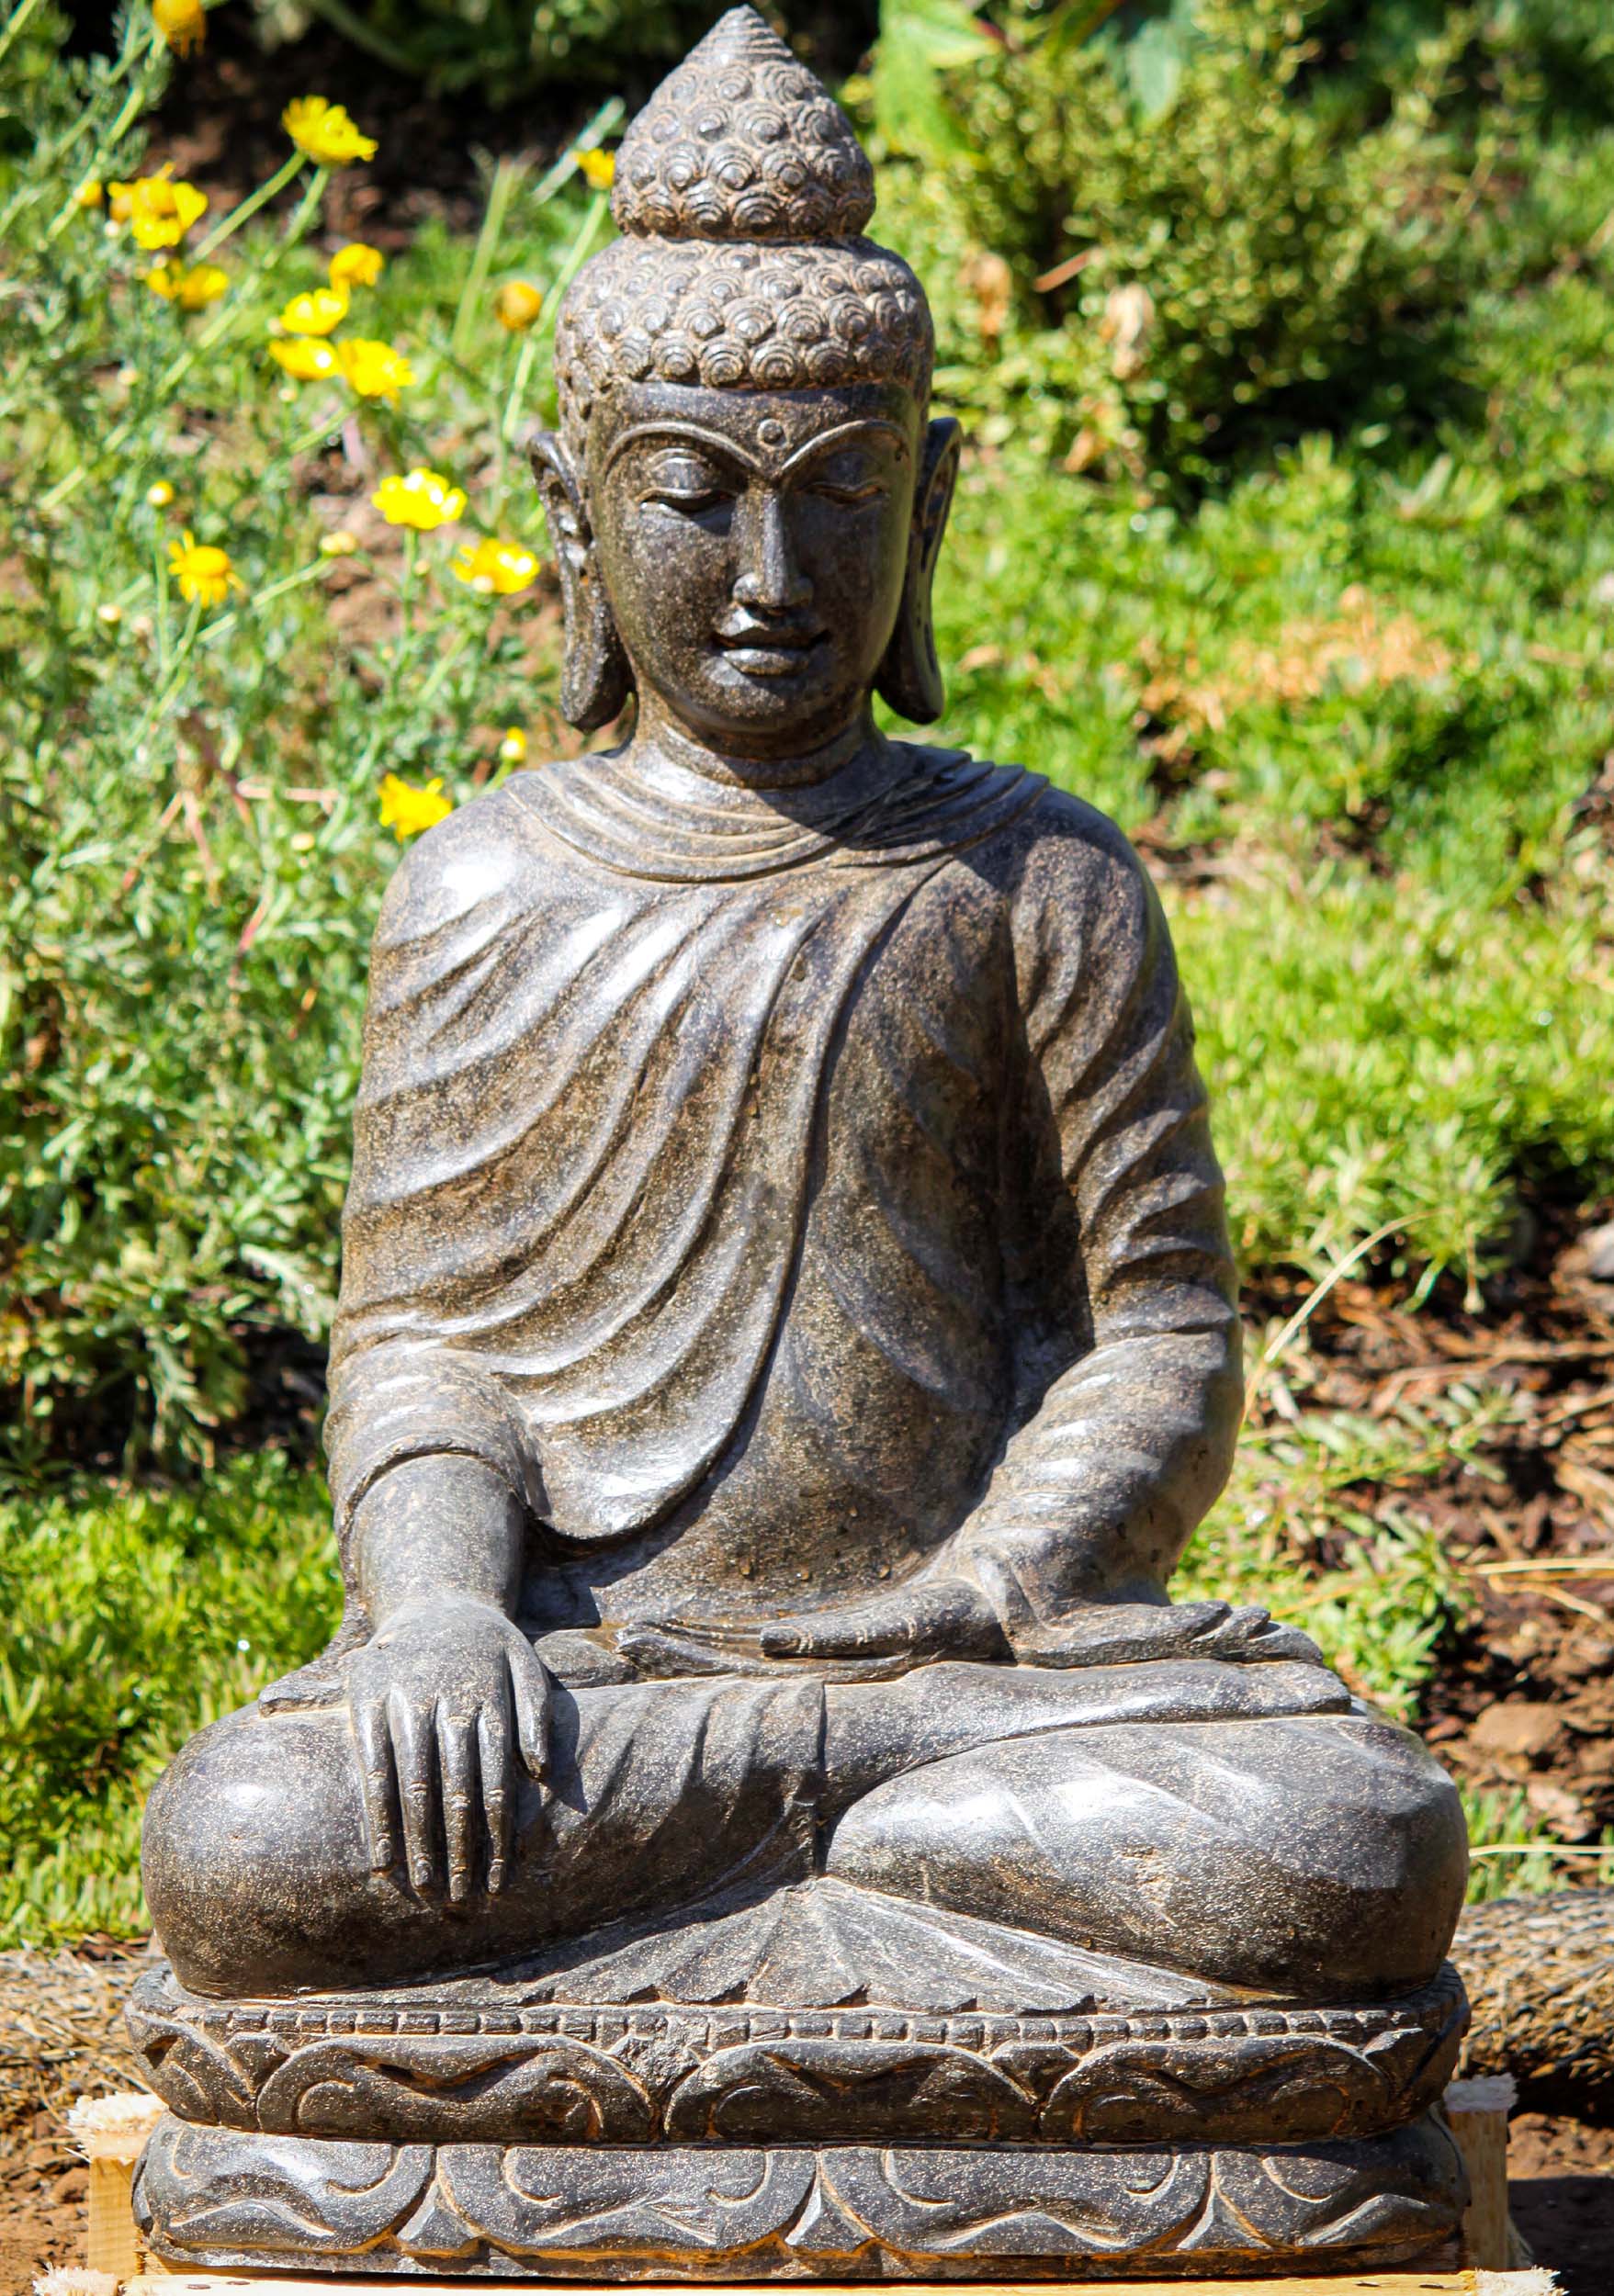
[(1281, 330)]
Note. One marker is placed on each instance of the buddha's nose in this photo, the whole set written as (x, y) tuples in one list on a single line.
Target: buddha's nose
[(768, 580)]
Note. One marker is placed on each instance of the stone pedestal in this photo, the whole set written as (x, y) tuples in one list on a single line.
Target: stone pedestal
[(449, 2135)]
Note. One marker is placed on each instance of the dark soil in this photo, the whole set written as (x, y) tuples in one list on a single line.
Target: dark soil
[(1561, 2194), (1522, 1703)]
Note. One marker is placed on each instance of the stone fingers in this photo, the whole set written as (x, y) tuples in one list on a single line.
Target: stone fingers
[(457, 1768), (413, 1749), (493, 1752), (529, 1687), (378, 1781)]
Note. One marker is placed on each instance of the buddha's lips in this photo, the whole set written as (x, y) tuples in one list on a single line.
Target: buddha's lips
[(765, 640)]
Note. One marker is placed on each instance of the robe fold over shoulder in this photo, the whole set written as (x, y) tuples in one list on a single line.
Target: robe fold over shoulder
[(588, 1111), (820, 1179)]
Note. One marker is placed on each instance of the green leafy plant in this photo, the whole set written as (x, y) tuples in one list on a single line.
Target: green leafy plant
[(221, 631)]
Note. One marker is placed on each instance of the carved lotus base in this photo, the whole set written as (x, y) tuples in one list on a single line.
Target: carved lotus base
[(480, 2066), (473, 2129), (223, 2198)]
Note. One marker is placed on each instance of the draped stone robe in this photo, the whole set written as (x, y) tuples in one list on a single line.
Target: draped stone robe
[(794, 1198), (787, 1193)]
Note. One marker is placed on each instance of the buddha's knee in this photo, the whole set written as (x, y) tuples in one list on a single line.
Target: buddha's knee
[(252, 1856), (1321, 1857)]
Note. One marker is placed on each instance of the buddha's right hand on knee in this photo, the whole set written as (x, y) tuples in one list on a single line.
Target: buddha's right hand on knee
[(446, 1698)]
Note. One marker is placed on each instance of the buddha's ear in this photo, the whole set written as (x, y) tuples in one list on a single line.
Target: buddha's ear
[(596, 681), (909, 678)]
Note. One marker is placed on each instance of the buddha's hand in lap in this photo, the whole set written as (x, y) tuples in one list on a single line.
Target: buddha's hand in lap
[(937, 1618), (447, 1698), (1128, 1633), (951, 1618)]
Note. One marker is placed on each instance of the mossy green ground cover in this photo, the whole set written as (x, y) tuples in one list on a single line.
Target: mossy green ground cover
[(1352, 691)]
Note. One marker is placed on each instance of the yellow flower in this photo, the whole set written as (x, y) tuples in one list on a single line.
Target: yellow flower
[(182, 24), (374, 369), (315, 313), (111, 614), (599, 169), (406, 811), (159, 494), (338, 544), (90, 193), (513, 749), (203, 571), (158, 210), (517, 305), (356, 266), (500, 567), (192, 288), (323, 133), (305, 360), (421, 499)]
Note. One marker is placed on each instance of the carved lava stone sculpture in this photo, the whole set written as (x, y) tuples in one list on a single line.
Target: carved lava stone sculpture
[(763, 1815)]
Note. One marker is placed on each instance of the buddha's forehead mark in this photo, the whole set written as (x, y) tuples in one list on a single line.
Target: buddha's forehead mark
[(777, 461)]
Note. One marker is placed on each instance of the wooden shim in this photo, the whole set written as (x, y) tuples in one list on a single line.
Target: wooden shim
[(109, 2132), (1478, 2112)]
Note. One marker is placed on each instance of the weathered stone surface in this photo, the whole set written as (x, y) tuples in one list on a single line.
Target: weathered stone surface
[(762, 1812), (216, 2198)]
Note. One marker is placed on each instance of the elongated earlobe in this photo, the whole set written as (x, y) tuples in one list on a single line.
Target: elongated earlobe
[(596, 681), (909, 678)]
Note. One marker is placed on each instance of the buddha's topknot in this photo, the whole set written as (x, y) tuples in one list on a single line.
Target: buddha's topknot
[(742, 194), (743, 143)]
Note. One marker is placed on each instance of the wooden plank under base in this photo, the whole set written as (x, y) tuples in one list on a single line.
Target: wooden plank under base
[(1411, 2280)]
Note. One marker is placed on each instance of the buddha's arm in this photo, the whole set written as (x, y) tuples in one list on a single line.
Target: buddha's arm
[(1120, 1264), (431, 1470), (1121, 1300)]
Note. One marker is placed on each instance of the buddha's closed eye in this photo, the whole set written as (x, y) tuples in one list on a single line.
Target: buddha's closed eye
[(845, 478), (686, 482)]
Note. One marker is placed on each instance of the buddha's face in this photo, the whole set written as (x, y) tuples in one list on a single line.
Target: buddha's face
[(753, 547)]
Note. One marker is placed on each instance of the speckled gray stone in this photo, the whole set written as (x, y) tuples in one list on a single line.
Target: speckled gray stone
[(787, 1340)]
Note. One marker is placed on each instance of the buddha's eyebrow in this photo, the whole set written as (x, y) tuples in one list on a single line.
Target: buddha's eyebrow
[(681, 434), (846, 435), (671, 433)]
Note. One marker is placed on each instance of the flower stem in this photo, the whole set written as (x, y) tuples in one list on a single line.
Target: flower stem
[(18, 19), (228, 622), (249, 206), (506, 175)]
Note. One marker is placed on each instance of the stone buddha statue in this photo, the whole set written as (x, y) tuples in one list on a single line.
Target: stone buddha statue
[(763, 1813)]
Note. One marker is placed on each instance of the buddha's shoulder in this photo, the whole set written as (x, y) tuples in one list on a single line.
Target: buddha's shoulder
[(485, 858), (1048, 842)]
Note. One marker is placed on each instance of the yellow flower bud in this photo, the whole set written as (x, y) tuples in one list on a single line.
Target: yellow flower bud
[(599, 169), (513, 749), (517, 305), (355, 264), (183, 24), (338, 544), (159, 494)]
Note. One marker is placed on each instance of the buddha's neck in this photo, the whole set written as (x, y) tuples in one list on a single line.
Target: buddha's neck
[(658, 740)]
